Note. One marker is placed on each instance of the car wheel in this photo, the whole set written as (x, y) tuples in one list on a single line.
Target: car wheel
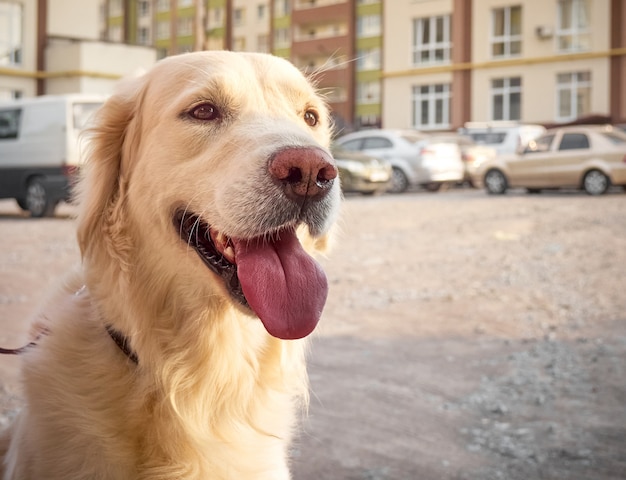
[(433, 186), (22, 203), (596, 182), (495, 182), (399, 182), (37, 201)]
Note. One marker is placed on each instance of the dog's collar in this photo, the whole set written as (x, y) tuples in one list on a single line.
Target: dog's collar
[(122, 342)]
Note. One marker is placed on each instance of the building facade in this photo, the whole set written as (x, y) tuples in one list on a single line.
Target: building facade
[(536, 61), (339, 42), (54, 46)]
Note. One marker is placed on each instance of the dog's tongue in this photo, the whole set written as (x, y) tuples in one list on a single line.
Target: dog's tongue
[(284, 286)]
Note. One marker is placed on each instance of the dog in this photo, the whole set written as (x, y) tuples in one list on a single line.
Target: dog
[(177, 350)]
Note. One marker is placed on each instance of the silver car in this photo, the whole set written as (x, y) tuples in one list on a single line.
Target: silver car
[(416, 158)]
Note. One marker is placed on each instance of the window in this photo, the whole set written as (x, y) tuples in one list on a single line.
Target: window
[(143, 36), (431, 106), (282, 8), (352, 145), (572, 34), (116, 33), (144, 8), (368, 59), (281, 37), (541, 144), (215, 17), (368, 92), (263, 43), (261, 11), (431, 40), (9, 123), (163, 5), (506, 32), (9, 94), (574, 141), (376, 142), (368, 26), (115, 8), (185, 26), (163, 29), (239, 16), (10, 33), (506, 98), (573, 95), (239, 44)]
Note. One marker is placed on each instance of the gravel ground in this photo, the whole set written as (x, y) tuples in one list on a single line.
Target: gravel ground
[(466, 336)]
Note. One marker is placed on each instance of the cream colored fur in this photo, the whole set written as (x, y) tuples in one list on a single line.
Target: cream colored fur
[(214, 396)]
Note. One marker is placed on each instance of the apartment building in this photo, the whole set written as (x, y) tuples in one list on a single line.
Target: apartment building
[(53, 46), (339, 40), (543, 61)]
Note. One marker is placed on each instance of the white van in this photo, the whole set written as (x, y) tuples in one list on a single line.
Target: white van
[(39, 148)]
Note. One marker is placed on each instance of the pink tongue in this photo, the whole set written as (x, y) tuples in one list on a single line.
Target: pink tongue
[(284, 286)]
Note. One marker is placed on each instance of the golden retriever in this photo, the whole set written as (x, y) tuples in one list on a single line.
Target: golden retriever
[(178, 349)]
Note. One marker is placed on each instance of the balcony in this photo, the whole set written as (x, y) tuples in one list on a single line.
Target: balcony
[(320, 11)]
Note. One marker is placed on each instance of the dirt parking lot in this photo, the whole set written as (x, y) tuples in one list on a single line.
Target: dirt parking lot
[(466, 336)]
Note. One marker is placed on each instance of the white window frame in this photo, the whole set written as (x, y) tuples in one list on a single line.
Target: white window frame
[(507, 90), (576, 85), (163, 30), (432, 45), (184, 27), (369, 59), (507, 38), (143, 8), (11, 33), (163, 5), (368, 26), (282, 37), (432, 97), (368, 92), (580, 35)]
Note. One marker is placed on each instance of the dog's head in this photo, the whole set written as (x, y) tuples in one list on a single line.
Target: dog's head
[(212, 171)]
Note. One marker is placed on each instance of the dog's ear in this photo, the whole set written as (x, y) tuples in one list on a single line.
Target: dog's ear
[(100, 192)]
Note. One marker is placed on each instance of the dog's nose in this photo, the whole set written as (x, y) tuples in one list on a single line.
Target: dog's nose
[(303, 172)]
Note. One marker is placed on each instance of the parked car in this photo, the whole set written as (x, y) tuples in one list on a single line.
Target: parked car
[(416, 158), (39, 148), (471, 153), (588, 157), (503, 137), (361, 173)]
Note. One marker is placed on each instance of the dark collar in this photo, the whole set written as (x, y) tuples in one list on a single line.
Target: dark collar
[(122, 342)]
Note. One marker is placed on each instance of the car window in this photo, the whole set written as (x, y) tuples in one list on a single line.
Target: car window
[(489, 138), (616, 138), (352, 145), (574, 141), (376, 142), (541, 144), (9, 123)]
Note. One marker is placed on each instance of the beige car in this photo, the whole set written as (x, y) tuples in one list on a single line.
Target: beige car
[(588, 157)]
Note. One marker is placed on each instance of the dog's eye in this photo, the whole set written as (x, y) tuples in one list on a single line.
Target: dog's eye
[(204, 111), (311, 118)]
